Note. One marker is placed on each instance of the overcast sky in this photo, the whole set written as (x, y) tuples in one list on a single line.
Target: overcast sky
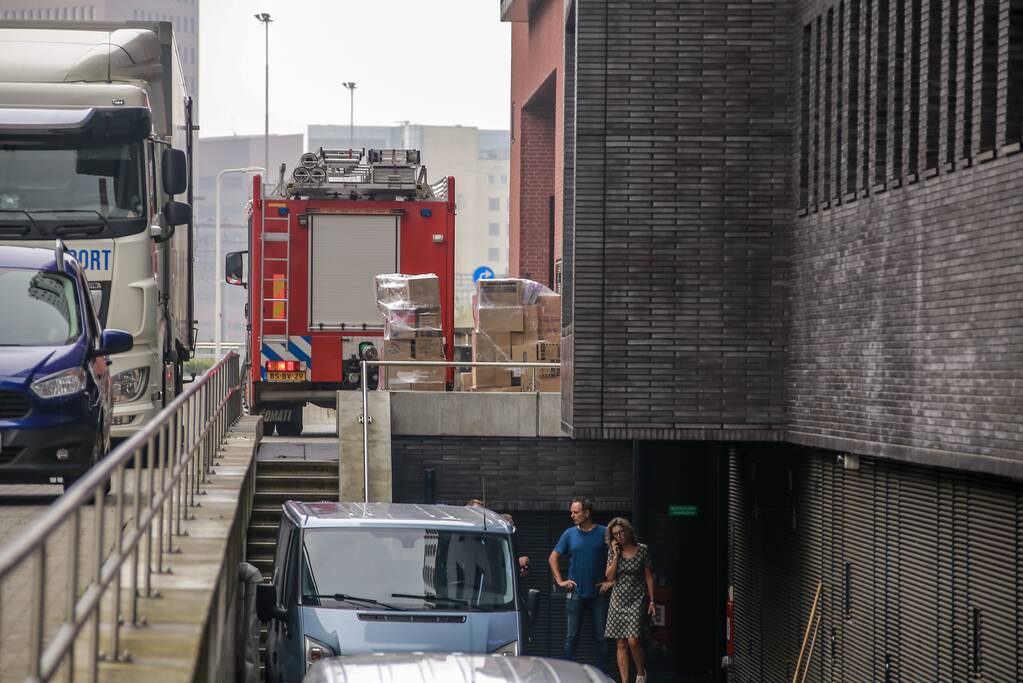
[(438, 62)]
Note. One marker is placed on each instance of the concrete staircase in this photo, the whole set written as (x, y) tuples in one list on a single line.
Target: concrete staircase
[(276, 482)]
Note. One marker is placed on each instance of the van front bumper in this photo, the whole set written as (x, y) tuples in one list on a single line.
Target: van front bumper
[(29, 456)]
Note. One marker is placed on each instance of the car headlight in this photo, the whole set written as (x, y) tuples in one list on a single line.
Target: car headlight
[(63, 383), (315, 651), (129, 385), (511, 648)]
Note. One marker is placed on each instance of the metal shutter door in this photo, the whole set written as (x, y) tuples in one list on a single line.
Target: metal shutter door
[(346, 253), (859, 544), (919, 575), (992, 583)]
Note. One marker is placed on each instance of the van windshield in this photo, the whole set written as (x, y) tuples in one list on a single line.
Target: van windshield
[(413, 569), (43, 304)]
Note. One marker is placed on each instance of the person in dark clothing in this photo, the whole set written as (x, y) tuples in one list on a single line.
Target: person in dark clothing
[(586, 589)]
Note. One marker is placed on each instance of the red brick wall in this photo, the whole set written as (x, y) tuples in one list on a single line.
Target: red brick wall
[(537, 148), (536, 184)]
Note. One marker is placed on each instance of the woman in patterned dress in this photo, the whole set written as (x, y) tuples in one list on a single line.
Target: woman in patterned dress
[(629, 567)]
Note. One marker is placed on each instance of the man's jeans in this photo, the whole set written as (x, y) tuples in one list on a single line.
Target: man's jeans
[(575, 607)]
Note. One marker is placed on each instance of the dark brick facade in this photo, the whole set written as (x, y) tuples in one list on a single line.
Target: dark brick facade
[(907, 263), (533, 474), (682, 211)]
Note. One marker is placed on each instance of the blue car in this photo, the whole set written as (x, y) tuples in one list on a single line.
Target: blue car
[(56, 400)]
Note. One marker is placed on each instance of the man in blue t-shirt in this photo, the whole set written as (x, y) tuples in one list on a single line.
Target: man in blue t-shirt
[(586, 588)]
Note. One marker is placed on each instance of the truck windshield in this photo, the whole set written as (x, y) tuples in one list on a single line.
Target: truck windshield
[(409, 569), (44, 305), (106, 178)]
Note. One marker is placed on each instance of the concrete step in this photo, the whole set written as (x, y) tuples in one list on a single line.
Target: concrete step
[(261, 549), (295, 466), (267, 514), (278, 498), (299, 483), (262, 532)]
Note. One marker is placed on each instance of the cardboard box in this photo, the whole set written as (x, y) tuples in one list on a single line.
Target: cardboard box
[(548, 384), (531, 321), (463, 381), (397, 349), (508, 319), (499, 293), (525, 353), (490, 348), (549, 307), (400, 323), (548, 352), (491, 377), (429, 348), (407, 291), (428, 323)]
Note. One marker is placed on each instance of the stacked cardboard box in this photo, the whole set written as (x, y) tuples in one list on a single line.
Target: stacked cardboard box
[(516, 320), (410, 305)]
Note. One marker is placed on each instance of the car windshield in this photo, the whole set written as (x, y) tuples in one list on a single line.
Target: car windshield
[(105, 178), (414, 569), (43, 304)]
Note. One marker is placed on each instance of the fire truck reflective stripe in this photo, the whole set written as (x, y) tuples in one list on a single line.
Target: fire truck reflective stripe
[(278, 293), (268, 352), (301, 348)]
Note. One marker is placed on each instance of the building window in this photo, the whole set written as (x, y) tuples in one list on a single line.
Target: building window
[(494, 229), (491, 179), (493, 254), (494, 204), (504, 179)]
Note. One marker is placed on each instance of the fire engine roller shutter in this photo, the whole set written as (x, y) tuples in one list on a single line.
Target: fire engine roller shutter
[(346, 253)]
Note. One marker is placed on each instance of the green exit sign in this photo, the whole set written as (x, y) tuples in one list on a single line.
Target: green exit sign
[(682, 511)]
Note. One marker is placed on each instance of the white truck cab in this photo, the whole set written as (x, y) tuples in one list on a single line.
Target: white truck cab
[(95, 143)]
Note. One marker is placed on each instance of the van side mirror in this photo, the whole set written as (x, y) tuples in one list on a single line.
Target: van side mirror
[(234, 268), (174, 171), (532, 606), (114, 341), (267, 608)]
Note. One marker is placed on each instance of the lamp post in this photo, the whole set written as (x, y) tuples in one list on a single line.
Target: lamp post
[(351, 117), (265, 19), (218, 313)]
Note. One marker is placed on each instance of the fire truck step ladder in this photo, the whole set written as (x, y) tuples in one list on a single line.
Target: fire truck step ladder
[(279, 286)]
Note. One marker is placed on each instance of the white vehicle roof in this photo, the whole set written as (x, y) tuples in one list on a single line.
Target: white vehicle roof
[(374, 515), (442, 668)]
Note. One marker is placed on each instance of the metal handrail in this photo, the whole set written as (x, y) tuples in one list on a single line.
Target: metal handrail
[(426, 364), (180, 444)]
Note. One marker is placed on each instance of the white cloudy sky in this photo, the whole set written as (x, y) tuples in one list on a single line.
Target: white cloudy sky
[(439, 62)]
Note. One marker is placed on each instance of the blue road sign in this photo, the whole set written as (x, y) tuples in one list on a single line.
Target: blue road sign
[(482, 273)]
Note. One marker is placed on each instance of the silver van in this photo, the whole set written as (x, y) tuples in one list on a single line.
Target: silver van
[(365, 578), (451, 669)]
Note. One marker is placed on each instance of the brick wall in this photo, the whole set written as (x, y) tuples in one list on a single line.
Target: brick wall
[(520, 474), (682, 207), (907, 280), (532, 257), (537, 154)]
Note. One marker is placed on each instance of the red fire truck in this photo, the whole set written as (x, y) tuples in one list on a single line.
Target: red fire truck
[(345, 217)]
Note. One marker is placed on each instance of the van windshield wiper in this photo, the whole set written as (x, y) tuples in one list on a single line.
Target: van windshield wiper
[(344, 597), (103, 218)]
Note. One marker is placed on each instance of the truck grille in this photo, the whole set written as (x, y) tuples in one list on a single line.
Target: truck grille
[(13, 405)]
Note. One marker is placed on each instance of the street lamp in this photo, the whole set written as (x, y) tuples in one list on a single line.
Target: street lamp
[(351, 118), (265, 19), (218, 313)]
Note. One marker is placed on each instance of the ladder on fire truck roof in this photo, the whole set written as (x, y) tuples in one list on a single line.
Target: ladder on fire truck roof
[(280, 286)]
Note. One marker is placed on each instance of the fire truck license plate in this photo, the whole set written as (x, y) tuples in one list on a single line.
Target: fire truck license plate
[(286, 376)]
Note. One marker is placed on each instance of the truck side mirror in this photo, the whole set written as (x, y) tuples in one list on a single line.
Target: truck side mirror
[(532, 606), (267, 608), (174, 171), (234, 268), (176, 213)]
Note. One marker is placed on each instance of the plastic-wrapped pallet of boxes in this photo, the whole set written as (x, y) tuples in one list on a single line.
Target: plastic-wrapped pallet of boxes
[(516, 320), (410, 305)]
